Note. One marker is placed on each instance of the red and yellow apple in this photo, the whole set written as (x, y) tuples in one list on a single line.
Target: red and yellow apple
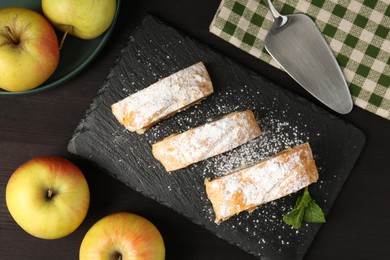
[(85, 19), (48, 197), (123, 236), (28, 49)]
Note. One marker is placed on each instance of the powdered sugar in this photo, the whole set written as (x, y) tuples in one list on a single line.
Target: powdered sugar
[(163, 98), (277, 136), (205, 141), (276, 177)]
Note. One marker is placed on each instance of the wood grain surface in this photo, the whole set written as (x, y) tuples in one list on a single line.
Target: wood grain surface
[(42, 124)]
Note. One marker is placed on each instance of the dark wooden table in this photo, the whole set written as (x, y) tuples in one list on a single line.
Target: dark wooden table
[(358, 225)]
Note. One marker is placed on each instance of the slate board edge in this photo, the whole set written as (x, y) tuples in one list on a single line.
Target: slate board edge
[(79, 130)]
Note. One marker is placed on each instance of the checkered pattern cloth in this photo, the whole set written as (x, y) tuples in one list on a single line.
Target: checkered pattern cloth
[(356, 30)]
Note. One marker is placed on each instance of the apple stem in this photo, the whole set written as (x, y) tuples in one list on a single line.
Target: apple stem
[(50, 193), (116, 256), (11, 34), (64, 36)]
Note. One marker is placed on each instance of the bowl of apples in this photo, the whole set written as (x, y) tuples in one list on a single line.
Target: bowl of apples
[(47, 44)]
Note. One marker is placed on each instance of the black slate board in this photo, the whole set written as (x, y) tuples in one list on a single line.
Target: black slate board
[(156, 50)]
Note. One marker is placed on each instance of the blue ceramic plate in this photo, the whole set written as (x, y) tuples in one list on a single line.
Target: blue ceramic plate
[(75, 55)]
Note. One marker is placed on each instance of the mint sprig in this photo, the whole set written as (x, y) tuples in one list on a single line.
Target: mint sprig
[(305, 209)]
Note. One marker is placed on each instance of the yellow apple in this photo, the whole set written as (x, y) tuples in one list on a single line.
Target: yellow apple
[(48, 197), (123, 236), (29, 52), (85, 19)]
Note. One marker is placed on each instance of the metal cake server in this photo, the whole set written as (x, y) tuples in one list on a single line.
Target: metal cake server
[(296, 43)]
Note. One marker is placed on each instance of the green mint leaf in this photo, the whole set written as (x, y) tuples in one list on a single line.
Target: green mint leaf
[(294, 217), (313, 213), (305, 209), (304, 200)]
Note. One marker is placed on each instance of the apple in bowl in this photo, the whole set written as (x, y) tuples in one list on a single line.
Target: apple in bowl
[(28, 49), (48, 197), (122, 236), (86, 19)]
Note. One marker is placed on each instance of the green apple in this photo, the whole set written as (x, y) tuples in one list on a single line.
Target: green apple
[(48, 197), (29, 52), (122, 236), (85, 19)]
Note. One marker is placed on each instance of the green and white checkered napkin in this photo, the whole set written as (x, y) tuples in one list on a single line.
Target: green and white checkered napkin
[(357, 32)]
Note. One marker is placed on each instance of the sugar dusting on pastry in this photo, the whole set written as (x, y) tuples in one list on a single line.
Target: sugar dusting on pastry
[(263, 182), (180, 150), (142, 109)]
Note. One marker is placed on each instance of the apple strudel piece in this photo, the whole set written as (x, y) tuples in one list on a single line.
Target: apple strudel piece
[(180, 150), (276, 177), (141, 110)]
